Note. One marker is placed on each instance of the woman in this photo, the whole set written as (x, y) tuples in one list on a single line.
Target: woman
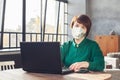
[(82, 52)]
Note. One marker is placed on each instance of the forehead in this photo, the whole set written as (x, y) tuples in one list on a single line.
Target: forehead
[(79, 24)]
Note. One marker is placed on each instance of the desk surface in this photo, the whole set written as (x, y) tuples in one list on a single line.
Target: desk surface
[(19, 74)]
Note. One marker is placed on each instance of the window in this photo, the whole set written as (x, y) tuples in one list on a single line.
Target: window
[(52, 16), (12, 23), (13, 13), (33, 20)]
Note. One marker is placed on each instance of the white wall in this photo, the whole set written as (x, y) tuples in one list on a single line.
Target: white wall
[(105, 15)]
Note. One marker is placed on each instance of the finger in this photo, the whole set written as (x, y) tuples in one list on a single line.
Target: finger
[(77, 67), (71, 67)]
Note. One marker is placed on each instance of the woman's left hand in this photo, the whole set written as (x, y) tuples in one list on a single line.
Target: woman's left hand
[(77, 65)]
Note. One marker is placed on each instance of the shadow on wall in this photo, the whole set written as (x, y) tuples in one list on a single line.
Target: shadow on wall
[(105, 16)]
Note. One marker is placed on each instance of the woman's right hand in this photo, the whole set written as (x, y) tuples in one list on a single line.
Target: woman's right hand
[(77, 65)]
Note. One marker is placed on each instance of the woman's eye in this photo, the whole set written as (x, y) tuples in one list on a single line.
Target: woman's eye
[(83, 27), (76, 26)]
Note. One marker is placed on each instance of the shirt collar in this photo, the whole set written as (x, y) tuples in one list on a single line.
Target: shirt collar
[(78, 45)]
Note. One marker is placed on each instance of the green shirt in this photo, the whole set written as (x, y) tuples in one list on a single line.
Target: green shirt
[(87, 50)]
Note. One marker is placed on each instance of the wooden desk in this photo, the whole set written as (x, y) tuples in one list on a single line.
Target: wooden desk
[(19, 74)]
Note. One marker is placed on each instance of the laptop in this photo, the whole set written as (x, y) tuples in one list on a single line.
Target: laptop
[(42, 57)]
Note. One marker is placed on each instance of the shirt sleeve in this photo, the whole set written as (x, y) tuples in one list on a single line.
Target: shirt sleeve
[(64, 49), (97, 59)]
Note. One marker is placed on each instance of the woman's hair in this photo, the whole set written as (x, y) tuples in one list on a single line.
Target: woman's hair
[(82, 19)]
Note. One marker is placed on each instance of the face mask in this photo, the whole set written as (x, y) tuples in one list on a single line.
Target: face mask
[(78, 32)]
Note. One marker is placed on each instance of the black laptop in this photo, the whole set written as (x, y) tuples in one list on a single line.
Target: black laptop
[(42, 57)]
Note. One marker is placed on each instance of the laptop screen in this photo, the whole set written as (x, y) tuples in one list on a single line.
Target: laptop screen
[(43, 57)]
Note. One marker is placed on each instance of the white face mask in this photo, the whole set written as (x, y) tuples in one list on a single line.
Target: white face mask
[(78, 32)]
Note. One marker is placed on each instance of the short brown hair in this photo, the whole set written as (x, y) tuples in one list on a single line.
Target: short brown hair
[(82, 19)]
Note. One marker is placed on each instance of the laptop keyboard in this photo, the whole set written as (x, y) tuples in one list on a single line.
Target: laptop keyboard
[(66, 71)]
